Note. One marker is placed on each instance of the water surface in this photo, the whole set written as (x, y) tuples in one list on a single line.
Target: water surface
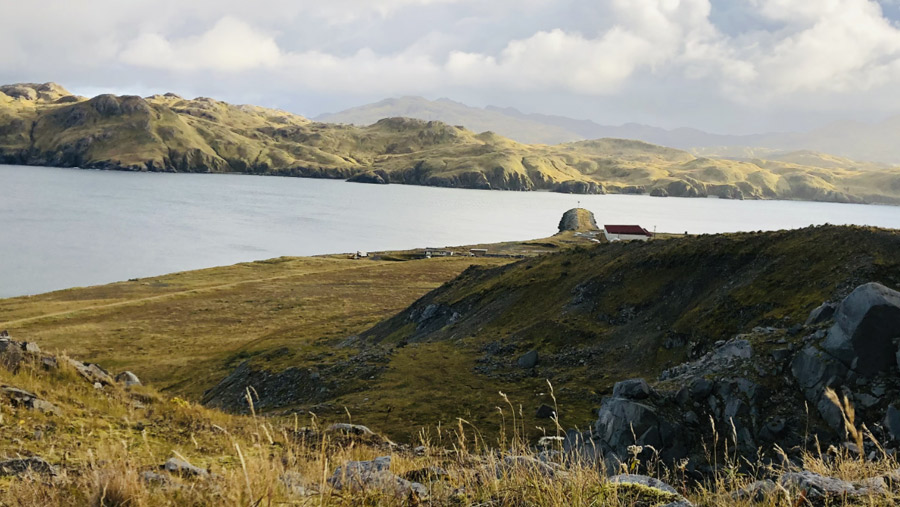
[(71, 227)]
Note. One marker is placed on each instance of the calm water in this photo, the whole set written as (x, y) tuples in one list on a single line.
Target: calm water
[(69, 227)]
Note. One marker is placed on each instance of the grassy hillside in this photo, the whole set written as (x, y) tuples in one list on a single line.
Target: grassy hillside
[(107, 446), (595, 313), (185, 331), (44, 125)]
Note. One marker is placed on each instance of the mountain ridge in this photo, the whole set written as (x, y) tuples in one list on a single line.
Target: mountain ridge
[(850, 139), (170, 133)]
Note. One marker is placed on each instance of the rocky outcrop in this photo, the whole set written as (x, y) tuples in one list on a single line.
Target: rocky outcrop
[(861, 345), (357, 476), (378, 177), (21, 398), (579, 187), (293, 386), (866, 329), (578, 219), (734, 388), (24, 466)]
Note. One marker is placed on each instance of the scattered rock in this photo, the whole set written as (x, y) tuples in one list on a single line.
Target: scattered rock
[(821, 314), (545, 412), (11, 355), (128, 378), (892, 422), (184, 469), (632, 389), (22, 466), (665, 495), (427, 474), (375, 474), (528, 360), (756, 492), (158, 479), (294, 482), (350, 429), (21, 398), (818, 486)]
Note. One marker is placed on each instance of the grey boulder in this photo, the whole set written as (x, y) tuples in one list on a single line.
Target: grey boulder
[(866, 324), (128, 379), (22, 466), (632, 389), (528, 360)]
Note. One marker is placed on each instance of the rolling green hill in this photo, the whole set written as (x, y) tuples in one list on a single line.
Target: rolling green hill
[(45, 125)]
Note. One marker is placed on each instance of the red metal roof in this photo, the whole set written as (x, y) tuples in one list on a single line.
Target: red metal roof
[(627, 229)]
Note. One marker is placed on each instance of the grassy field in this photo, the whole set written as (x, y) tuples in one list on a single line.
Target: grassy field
[(107, 447), (183, 332)]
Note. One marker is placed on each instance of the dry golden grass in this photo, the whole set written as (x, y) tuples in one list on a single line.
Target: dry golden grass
[(104, 443), (183, 332)]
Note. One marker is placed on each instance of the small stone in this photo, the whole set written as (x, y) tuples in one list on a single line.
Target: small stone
[(128, 378), (350, 429), (22, 466), (632, 389), (427, 474), (892, 422), (31, 347), (545, 412), (756, 492), (528, 360), (184, 469)]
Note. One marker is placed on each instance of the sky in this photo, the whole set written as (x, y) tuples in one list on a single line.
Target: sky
[(725, 66)]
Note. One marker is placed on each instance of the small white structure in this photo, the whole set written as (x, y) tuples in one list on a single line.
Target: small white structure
[(626, 233), (437, 252)]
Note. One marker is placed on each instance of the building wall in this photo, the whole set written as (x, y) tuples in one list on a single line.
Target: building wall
[(625, 237)]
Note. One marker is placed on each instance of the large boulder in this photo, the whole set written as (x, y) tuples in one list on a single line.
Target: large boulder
[(867, 323), (622, 422), (578, 219), (821, 313)]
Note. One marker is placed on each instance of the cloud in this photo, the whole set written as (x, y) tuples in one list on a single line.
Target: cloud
[(790, 55), (231, 45)]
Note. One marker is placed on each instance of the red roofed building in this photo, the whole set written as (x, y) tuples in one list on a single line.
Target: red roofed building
[(626, 233)]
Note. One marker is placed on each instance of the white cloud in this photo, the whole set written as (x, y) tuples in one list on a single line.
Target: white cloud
[(230, 45), (820, 55)]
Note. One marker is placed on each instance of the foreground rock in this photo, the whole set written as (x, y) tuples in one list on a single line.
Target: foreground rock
[(659, 493), (820, 487), (23, 466), (22, 398), (356, 476), (184, 469), (747, 396)]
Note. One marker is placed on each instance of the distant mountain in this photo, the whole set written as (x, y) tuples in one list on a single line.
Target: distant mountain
[(518, 127), (874, 142), (42, 124)]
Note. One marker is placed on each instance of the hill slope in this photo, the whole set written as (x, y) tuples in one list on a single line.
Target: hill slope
[(169, 133), (856, 140), (594, 316)]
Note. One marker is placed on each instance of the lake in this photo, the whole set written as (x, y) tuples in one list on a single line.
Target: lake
[(70, 227)]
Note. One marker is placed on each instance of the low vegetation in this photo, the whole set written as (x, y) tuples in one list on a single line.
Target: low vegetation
[(45, 125), (112, 445)]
